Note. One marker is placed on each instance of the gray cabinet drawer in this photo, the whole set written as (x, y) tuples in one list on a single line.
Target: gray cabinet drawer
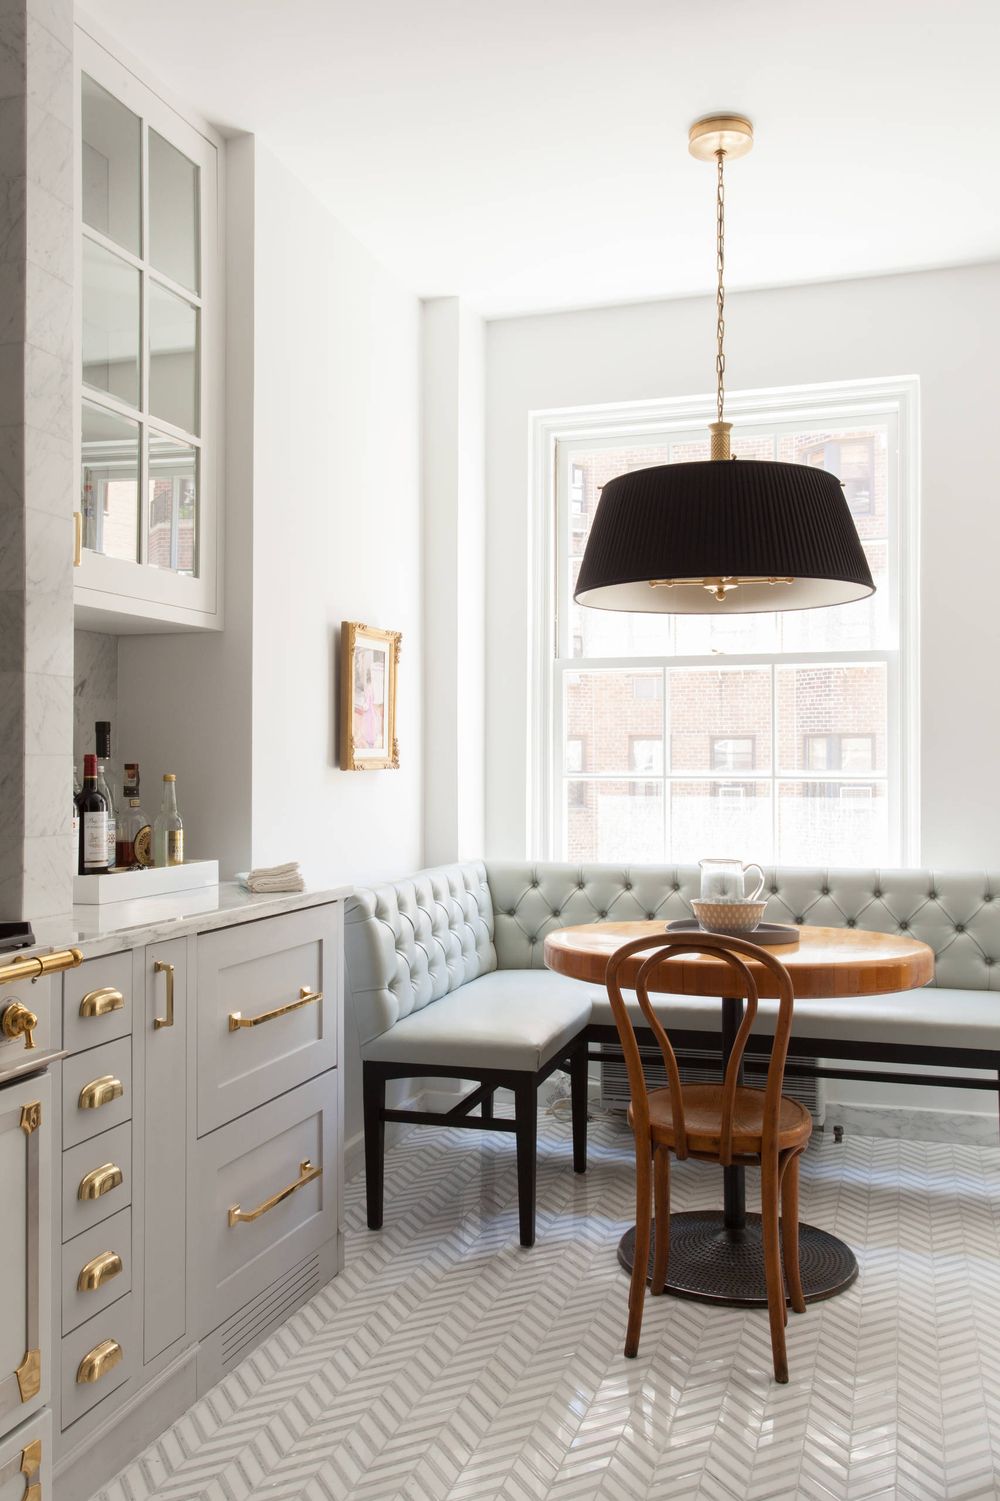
[(241, 1171), (105, 1349), (26, 1461), (96, 1269), (91, 1166), (90, 1090), (41, 999), (260, 1033), (97, 1002)]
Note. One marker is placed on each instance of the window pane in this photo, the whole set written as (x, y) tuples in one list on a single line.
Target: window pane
[(109, 497), (110, 165), (720, 719), (173, 505), (616, 718), (721, 818), (621, 820), (173, 213), (833, 823), (173, 359), (832, 718), (110, 324)]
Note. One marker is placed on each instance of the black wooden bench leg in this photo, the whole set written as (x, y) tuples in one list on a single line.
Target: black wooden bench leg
[(578, 1071), (526, 1121), (373, 1087)]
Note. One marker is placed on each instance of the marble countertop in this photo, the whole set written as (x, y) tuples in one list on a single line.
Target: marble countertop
[(113, 926)]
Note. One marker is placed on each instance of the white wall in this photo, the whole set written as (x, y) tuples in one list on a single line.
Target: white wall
[(942, 326)]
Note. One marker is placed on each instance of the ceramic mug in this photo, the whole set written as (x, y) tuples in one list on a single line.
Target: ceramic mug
[(725, 881)]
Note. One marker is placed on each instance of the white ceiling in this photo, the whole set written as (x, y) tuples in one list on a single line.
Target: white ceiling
[(532, 154)]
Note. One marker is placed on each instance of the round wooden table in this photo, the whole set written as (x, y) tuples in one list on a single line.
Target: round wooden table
[(717, 1257)]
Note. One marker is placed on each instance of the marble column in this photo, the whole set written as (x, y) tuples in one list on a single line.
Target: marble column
[(37, 467)]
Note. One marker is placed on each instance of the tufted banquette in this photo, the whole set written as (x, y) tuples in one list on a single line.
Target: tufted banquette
[(447, 974)]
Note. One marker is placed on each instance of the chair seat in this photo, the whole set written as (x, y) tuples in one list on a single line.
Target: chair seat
[(703, 1118)]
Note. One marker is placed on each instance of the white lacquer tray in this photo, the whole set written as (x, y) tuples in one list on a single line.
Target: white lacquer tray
[(128, 885)]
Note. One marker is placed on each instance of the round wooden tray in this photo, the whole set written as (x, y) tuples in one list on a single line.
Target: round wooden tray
[(768, 935)]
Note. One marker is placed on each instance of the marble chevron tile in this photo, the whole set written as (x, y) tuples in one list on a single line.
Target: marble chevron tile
[(448, 1364)]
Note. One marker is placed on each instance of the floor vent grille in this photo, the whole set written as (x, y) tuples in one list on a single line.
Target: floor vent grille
[(698, 1068), (256, 1319)]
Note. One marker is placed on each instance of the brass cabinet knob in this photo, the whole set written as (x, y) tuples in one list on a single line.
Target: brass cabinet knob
[(98, 1271), (99, 1181), (101, 1002), (101, 1092), (98, 1362), (18, 1021)]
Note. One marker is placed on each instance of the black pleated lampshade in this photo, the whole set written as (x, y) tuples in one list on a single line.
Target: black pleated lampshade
[(717, 520)]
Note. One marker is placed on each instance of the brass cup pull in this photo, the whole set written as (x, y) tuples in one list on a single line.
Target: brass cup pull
[(101, 1092), (31, 1463), (307, 1173), (98, 1362), (161, 968), (306, 998), (18, 1021), (99, 1181), (98, 1271), (101, 1002)]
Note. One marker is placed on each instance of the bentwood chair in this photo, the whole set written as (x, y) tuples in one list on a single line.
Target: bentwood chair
[(726, 1123)]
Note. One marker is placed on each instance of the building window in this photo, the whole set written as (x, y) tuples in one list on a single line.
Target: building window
[(774, 736)]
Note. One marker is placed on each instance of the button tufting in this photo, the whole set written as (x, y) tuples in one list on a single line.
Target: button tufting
[(852, 922), (651, 915), (959, 927), (677, 885), (987, 898), (800, 919), (556, 912), (774, 891), (825, 890), (534, 884), (989, 962), (510, 911), (932, 895), (533, 938), (628, 885), (876, 892), (602, 914), (903, 927), (579, 885)]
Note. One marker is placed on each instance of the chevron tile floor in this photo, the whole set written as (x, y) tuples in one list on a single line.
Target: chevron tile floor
[(448, 1364)]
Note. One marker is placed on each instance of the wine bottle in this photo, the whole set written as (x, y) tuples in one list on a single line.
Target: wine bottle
[(134, 834), (168, 830), (102, 737), (93, 810)]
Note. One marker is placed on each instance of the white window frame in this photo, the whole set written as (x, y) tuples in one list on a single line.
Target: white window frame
[(557, 435)]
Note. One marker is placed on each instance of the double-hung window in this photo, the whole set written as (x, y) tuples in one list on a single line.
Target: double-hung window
[(783, 736)]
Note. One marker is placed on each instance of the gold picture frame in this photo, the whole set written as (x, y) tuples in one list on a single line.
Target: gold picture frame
[(369, 664)]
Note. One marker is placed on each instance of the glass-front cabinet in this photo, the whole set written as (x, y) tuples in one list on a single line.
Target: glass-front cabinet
[(149, 356)]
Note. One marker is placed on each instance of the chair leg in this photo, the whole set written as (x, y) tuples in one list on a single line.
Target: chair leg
[(790, 1233), (769, 1190), (373, 1089), (526, 1123), (640, 1266), (661, 1203), (486, 1108), (579, 1068)]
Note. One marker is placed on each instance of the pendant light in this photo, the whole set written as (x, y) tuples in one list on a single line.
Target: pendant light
[(739, 535)]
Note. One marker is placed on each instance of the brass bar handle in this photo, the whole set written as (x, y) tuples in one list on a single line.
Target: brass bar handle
[(98, 1271), (98, 1362), (101, 1002), (306, 998), (101, 1092), (41, 964), (99, 1181), (18, 1021), (307, 1173), (77, 538), (162, 968)]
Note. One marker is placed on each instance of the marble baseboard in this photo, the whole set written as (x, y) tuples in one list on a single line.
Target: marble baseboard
[(970, 1127)]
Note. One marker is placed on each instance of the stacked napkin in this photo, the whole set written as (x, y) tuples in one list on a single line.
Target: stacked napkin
[(268, 878)]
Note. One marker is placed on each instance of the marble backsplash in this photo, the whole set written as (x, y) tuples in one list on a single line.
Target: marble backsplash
[(95, 691)]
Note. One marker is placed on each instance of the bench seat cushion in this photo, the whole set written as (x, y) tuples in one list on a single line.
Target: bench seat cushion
[(934, 1016), (510, 1019)]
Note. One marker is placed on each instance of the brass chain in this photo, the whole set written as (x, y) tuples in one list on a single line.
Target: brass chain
[(720, 294)]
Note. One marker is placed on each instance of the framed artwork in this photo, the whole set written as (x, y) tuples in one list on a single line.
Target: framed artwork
[(369, 659)]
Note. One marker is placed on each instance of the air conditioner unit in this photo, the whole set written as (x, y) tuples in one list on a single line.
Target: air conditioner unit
[(699, 1067)]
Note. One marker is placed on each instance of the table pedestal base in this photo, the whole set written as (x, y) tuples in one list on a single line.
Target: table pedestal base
[(715, 1265)]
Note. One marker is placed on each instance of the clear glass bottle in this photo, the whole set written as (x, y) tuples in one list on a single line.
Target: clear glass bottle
[(134, 833), (168, 830), (102, 738), (93, 810)]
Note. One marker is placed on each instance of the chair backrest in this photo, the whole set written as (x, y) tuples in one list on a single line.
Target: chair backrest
[(625, 968)]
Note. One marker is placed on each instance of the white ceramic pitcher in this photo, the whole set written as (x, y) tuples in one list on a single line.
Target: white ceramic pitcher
[(725, 881)]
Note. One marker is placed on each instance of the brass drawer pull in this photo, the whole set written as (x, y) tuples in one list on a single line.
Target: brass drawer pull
[(98, 1362), (101, 1002), (160, 968), (306, 998), (101, 1092), (99, 1181), (31, 1463), (307, 1173), (97, 1272)]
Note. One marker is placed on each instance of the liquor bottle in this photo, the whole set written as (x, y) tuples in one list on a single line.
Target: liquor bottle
[(102, 737), (93, 810), (168, 830), (134, 840)]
